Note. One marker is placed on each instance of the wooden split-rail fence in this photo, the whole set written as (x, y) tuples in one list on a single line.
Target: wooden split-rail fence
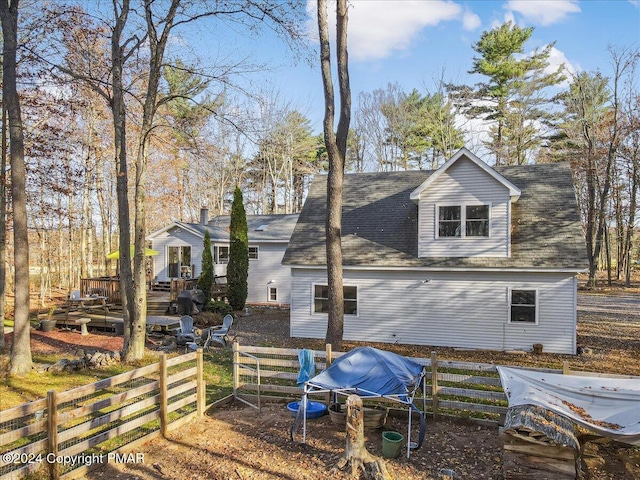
[(87, 424), (460, 389), (68, 433)]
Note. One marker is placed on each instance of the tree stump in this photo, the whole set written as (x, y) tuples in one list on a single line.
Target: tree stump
[(356, 457)]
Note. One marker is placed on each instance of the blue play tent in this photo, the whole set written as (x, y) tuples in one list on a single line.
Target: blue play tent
[(371, 373)]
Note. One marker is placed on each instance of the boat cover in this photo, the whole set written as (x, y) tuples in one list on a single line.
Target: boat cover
[(608, 406)]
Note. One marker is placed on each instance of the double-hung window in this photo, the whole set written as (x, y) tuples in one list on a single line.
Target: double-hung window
[(450, 221), (321, 299), (253, 253), (272, 294), (463, 221), (477, 221), (221, 254), (523, 306)]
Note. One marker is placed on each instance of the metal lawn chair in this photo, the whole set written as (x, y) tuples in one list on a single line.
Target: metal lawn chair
[(220, 336)]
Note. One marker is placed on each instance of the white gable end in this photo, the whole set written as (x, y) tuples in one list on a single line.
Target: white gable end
[(464, 211)]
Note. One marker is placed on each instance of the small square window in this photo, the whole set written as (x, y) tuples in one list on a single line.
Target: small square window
[(253, 253)]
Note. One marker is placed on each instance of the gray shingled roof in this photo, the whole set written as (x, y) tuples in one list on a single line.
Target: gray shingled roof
[(277, 228), (379, 222)]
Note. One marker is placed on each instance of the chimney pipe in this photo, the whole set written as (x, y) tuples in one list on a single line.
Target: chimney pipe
[(204, 216)]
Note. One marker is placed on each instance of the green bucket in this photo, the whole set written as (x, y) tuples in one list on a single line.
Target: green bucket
[(392, 443)]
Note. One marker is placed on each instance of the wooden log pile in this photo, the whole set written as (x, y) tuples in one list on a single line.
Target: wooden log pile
[(539, 445)]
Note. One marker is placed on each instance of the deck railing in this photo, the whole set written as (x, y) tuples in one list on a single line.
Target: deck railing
[(104, 286), (179, 285)]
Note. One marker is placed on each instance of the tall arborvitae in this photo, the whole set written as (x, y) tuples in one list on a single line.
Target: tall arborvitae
[(238, 268), (205, 280)]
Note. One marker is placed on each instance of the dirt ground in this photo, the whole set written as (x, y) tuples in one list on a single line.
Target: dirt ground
[(238, 442)]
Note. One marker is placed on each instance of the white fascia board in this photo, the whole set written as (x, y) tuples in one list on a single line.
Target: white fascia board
[(444, 269), (514, 192), (176, 224)]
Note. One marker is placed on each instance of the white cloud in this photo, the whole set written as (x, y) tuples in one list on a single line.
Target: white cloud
[(543, 12), (557, 58), (378, 29), (470, 21)]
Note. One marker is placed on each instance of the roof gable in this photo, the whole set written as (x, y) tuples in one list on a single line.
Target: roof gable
[(514, 192), (175, 224)]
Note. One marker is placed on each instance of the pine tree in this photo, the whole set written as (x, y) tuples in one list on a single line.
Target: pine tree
[(238, 268), (205, 281), (513, 95)]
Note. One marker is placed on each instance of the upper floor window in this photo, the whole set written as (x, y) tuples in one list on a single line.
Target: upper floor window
[(253, 253), (477, 224), (449, 221), (463, 221)]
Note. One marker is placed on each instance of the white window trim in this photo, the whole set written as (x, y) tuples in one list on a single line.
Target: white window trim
[(257, 253), (537, 306), (269, 294), (463, 219), (312, 306), (216, 254)]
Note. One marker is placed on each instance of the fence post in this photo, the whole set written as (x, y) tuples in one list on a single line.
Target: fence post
[(327, 364), (434, 384), (236, 363), (52, 432), (163, 395), (201, 386), (565, 368)]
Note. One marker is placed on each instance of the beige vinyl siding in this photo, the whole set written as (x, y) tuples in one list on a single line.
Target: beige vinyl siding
[(463, 184), (455, 309), (268, 267)]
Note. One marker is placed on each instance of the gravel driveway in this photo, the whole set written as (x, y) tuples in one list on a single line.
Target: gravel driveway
[(613, 307)]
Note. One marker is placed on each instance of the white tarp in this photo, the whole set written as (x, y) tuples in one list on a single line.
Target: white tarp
[(610, 406)]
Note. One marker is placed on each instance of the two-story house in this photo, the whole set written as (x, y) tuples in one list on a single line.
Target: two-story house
[(180, 246), (464, 256)]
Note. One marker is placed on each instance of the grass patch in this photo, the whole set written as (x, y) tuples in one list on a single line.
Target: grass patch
[(218, 374), (35, 385)]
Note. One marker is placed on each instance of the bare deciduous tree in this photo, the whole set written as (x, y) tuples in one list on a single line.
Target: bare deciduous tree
[(21, 347)]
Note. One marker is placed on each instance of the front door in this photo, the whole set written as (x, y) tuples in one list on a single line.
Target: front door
[(179, 262)]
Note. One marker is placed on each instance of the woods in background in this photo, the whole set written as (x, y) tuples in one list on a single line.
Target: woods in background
[(209, 133)]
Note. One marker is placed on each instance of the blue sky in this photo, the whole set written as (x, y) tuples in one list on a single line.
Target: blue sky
[(414, 42)]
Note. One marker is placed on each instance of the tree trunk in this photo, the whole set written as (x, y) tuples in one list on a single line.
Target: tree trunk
[(630, 225), (336, 145), (135, 347), (356, 457), (118, 110), (3, 223), (21, 361)]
